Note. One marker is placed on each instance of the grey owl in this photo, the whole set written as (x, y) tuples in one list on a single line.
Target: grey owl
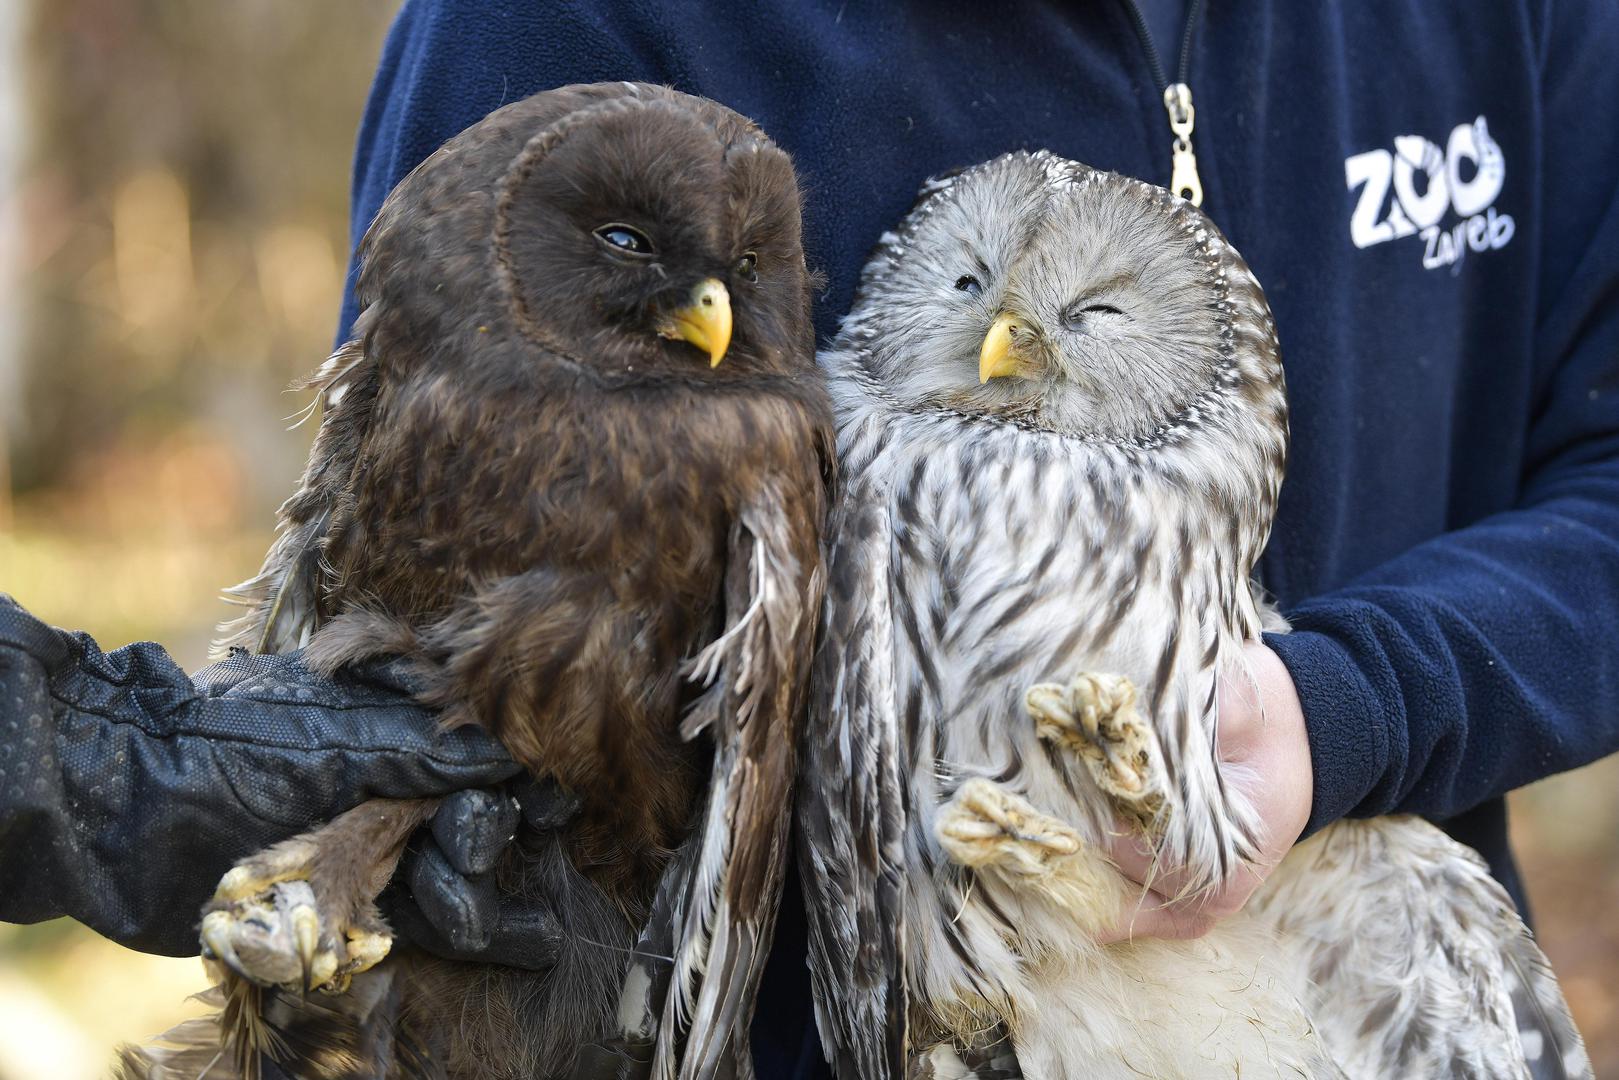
[(1062, 428)]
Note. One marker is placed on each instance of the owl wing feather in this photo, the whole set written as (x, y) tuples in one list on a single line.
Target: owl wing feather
[(755, 671), (852, 808), (1436, 973), (285, 600), (1476, 920), (1551, 1043)]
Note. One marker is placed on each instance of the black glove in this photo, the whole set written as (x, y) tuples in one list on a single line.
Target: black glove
[(128, 789), (445, 901)]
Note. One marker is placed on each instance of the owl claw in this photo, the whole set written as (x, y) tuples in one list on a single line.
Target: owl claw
[(263, 871), (216, 939), (366, 949), (1095, 717), (238, 884), (306, 932)]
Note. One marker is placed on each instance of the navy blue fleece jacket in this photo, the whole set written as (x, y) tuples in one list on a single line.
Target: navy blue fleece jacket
[(1428, 194)]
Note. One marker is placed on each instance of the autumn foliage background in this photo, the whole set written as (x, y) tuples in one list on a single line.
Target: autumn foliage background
[(173, 237)]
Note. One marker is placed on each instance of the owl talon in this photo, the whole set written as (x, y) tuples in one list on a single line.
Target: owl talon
[(306, 932), (366, 949), (265, 870), (1095, 717), (281, 937), (216, 940)]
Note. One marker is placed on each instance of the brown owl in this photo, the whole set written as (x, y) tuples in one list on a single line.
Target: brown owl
[(573, 467)]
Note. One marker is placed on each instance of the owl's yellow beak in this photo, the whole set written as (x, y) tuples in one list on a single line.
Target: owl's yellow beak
[(705, 322), (1008, 336)]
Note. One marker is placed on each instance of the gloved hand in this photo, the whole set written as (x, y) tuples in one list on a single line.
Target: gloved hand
[(445, 900), (127, 789)]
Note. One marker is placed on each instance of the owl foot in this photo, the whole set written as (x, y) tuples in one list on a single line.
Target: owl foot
[(988, 828), (301, 915), (1095, 717), (986, 825), (266, 925)]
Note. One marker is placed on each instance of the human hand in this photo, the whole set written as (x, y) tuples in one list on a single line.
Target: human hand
[(446, 902), (1265, 755), (122, 751)]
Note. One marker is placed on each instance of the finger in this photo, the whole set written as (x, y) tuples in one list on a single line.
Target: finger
[(527, 935), (1137, 860), (547, 805), (1153, 916), (463, 909), (473, 827), (407, 921)]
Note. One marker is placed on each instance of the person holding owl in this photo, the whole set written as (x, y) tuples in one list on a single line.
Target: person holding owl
[(1439, 240)]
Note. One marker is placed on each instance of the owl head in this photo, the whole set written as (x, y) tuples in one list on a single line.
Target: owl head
[(626, 229), (1042, 290)]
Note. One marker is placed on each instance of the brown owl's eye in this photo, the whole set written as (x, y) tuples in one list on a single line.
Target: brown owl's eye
[(969, 285), (747, 267), (624, 238)]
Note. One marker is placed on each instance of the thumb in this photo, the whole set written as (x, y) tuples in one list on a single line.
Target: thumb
[(462, 909), (473, 828)]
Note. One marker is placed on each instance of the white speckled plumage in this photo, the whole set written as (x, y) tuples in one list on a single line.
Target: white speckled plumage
[(1103, 516)]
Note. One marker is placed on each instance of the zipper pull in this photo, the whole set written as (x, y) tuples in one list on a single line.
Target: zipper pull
[(1183, 178)]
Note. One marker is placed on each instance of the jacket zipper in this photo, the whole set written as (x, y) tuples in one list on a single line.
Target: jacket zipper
[(1183, 178)]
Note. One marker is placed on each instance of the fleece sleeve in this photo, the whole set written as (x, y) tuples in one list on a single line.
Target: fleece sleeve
[(1488, 657)]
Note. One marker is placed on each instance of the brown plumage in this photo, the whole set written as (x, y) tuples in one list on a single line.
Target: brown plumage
[(531, 481)]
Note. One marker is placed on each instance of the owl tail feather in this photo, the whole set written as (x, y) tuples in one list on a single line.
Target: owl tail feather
[(282, 600), (262, 1034)]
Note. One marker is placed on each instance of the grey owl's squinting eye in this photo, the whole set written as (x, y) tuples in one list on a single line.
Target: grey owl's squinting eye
[(969, 285), (1076, 318)]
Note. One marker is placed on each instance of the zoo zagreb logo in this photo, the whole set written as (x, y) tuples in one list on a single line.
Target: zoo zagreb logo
[(1465, 175)]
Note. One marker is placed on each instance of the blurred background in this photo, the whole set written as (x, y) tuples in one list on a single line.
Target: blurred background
[(173, 235)]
